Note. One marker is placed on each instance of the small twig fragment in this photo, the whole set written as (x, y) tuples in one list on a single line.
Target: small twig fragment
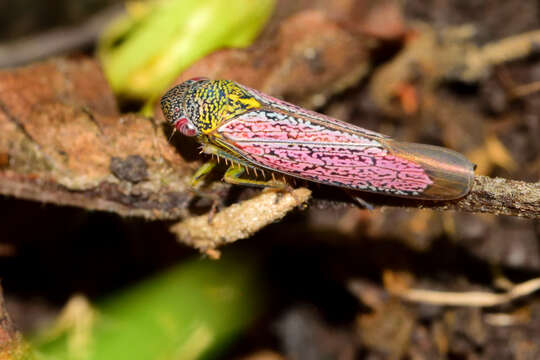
[(238, 221), (469, 298)]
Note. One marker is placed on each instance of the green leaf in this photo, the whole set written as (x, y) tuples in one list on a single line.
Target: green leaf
[(142, 55), (188, 312)]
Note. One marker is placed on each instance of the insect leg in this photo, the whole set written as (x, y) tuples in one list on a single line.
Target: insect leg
[(237, 169), (220, 154), (234, 173), (363, 204), (196, 182), (201, 173)]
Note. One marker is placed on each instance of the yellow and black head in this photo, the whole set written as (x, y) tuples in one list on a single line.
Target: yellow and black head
[(198, 106)]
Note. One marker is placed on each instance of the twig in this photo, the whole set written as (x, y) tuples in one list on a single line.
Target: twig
[(511, 48), (441, 55), (498, 196), (469, 298), (238, 221), (57, 41), (58, 144), (488, 195), (526, 89)]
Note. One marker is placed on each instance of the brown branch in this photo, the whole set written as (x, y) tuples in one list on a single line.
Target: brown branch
[(68, 145), (500, 197), (239, 221), (488, 195), (62, 141)]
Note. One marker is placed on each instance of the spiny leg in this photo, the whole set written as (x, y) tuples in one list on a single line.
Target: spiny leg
[(238, 168), (234, 173), (221, 154)]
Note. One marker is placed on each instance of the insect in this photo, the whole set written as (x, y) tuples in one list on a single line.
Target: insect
[(255, 133)]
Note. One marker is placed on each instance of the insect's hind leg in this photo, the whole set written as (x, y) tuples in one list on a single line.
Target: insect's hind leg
[(239, 167), (234, 173)]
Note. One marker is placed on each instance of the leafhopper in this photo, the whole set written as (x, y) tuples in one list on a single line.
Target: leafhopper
[(257, 134)]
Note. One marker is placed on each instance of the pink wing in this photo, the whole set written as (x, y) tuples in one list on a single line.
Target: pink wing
[(303, 147)]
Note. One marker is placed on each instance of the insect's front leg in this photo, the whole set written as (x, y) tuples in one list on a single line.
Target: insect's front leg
[(201, 173), (196, 182)]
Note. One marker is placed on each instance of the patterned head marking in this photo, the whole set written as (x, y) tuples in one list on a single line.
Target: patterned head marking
[(174, 106), (199, 105)]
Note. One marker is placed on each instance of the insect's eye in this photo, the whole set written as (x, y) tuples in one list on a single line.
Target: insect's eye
[(185, 127), (189, 129)]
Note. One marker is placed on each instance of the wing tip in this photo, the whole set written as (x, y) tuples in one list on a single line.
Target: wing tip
[(452, 173)]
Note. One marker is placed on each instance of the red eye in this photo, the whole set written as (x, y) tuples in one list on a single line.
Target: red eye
[(188, 132), (184, 127), (180, 124), (199, 78)]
